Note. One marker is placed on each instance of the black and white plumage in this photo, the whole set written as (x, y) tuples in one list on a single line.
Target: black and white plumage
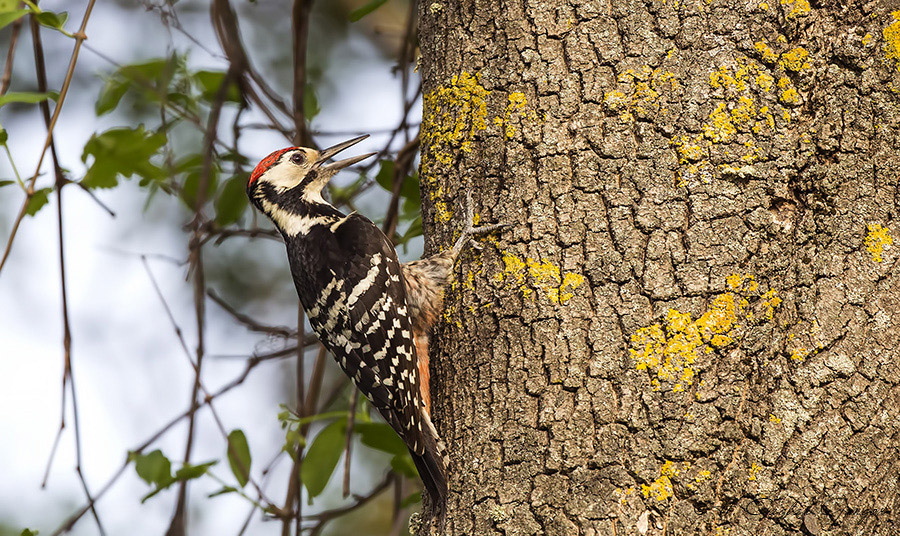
[(352, 287)]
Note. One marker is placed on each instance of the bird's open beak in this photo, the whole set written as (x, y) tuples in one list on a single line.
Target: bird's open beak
[(334, 167)]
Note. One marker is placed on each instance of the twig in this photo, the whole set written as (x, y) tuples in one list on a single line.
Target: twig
[(206, 393), (226, 27), (68, 374), (407, 48), (293, 502), (10, 56), (401, 167), (348, 440), (398, 498), (251, 324), (177, 526), (80, 36), (300, 32), (315, 380), (301, 406), (212, 231), (96, 199), (328, 515), (237, 381)]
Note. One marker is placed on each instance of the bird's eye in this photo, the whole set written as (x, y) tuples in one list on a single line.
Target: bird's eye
[(298, 158)]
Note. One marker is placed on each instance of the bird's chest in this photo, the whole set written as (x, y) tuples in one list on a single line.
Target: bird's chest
[(319, 266)]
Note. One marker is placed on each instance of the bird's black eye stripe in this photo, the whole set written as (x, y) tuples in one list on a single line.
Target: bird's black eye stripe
[(298, 158)]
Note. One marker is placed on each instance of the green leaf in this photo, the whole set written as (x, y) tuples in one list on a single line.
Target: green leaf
[(4, 136), (192, 184), (27, 97), (403, 464), (38, 200), (151, 78), (190, 472), (9, 17), (232, 200), (310, 102), (8, 5), (110, 96), (121, 151), (357, 14), (157, 471), (414, 498), (157, 490), (223, 491), (153, 468), (28, 532), (6, 182), (385, 176), (51, 19), (412, 199), (239, 456), (156, 72), (293, 440), (380, 436), (322, 457), (209, 83), (414, 230)]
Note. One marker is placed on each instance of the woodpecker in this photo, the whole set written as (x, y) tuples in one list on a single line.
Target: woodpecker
[(373, 315)]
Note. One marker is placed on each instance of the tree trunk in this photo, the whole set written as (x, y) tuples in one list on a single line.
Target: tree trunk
[(692, 325)]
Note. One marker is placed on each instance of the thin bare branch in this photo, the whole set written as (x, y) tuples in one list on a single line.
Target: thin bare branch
[(10, 56), (361, 500), (220, 234), (348, 440), (96, 199), (227, 31), (69, 523), (80, 36), (177, 526), (301, 406), (407, 50), (300, 31), (68, 374), (401, 169), (187, 353), (252, 325)]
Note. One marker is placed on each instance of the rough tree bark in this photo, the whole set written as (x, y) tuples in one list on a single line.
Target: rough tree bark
[(692, 326)]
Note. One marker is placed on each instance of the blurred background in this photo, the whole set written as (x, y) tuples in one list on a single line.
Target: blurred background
[(130, 138)]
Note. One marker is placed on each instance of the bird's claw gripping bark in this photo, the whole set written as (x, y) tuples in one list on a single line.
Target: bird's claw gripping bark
[(471, 230)]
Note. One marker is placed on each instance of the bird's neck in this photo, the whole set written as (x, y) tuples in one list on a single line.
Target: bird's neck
[(295, 215)]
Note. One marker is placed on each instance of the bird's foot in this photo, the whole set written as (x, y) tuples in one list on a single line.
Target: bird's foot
[(471, 229)]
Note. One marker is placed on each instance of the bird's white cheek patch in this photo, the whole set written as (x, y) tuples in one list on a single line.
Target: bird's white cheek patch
[(293, 224), (283, 177)]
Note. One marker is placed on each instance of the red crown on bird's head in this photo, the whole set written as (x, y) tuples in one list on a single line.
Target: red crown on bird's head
[(266, 163)]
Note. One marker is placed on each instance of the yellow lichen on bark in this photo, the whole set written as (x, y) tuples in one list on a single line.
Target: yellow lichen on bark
[(743, 111), (661, 489), (452, 115), (878, 239), (643, 89), (550, 280), (669, 350), (753, 471), (794, 60), (797, 8), (891, 34), (516, 105), (768, 55)]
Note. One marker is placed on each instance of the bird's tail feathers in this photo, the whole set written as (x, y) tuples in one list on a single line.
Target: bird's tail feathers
[(432, 466)]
